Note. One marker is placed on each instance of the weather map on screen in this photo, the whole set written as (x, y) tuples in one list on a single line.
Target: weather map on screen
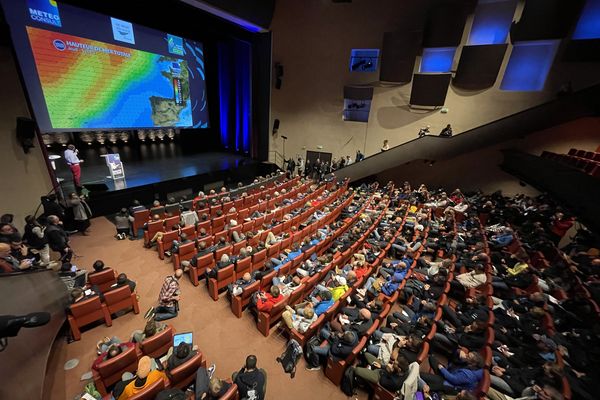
[(91, 84), (87, 71)]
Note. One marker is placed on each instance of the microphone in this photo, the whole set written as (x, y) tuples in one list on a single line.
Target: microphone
[(11, 324)]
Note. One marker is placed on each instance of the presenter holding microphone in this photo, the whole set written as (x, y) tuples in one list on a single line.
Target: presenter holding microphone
[(73, 161)]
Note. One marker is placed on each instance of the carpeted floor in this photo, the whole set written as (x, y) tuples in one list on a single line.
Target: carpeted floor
[(224, 339)]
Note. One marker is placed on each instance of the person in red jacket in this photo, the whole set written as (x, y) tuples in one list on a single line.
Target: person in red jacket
[(560, 226), (266, 301)]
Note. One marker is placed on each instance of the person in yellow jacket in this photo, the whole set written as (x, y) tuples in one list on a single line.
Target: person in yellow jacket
[(519, 267), (145, 377), (339, 290)]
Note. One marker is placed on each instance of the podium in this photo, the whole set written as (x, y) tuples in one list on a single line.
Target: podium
[(115, 166)]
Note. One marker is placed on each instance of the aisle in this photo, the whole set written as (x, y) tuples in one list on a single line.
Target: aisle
[(223, 338)]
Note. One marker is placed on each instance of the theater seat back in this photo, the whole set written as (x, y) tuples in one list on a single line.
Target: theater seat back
[(150, 392), (103, 279), (185, 374), (158, 345)]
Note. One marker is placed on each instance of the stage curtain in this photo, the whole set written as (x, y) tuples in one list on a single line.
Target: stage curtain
[(235, 94)]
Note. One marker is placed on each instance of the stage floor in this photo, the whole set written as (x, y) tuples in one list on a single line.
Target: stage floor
[(157, 162)]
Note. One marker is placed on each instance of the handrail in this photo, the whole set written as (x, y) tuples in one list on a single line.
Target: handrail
[(517, 125)]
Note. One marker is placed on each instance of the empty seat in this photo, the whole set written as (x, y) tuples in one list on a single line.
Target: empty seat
[(103, 279), (85, 312), (121, 299), (197, 271)]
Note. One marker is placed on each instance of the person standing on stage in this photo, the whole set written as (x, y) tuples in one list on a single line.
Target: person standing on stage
[(73, 161)]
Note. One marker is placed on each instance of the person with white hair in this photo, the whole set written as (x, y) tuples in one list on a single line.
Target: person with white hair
[(424, 131), (222, 263)]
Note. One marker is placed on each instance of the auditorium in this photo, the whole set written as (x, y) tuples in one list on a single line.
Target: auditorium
[(316, 199)]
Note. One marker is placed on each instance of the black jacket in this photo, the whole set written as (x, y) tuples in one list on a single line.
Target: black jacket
[(57, 237)]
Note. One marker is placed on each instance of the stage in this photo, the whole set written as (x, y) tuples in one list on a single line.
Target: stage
[(153, 171)]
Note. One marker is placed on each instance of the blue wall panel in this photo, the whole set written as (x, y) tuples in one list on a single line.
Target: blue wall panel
[(529, 65), (588, 26), (437, 59), (491, 22)]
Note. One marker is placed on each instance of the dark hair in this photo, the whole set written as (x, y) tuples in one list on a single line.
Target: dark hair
[(122, 279), (326, 295), (98, 265), (251, 362), (16, 237), (66, 266), (30, 219), (113, 351), (183, 350), (7, 218), (76, 293)]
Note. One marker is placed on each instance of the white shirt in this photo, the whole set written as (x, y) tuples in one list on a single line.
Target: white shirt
[(71, 157)]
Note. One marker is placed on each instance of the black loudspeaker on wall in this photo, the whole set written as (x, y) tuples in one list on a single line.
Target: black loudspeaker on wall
[(25, 133), (278, 75), (275, 126)]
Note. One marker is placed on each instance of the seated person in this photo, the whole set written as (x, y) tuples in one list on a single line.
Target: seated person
[(236, 288), (250, 380), (145, 376), (390, 376), (123, 280), (266, 301), (320, 303), (299, 322), (152, 328), (112, 351), (453, 379), (10, 264), (287, 284), (343, 323), (183, 352), (78, 294), (72, 276), (225, 261), (338, 347), (209, 387)]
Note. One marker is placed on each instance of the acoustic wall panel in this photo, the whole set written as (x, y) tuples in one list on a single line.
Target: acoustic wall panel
[(479, 66), (546, 19), (429, 89), (491, 22), (529, 65), (398, 55), (445, 23), (357, 103), (588, 26), (437, 60)]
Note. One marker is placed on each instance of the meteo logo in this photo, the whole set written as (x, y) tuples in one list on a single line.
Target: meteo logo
[(59, 44), (45, 11)]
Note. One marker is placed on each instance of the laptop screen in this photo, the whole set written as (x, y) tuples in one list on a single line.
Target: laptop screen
[(187, 337)]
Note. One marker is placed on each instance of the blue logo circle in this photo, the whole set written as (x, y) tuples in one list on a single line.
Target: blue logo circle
[(59, 44)]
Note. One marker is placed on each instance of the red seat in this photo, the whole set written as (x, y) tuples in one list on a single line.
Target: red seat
[(103, 279), (242, 266), (223, 250), (85, 312), (240, 302), (273, 251), (109, 372), (238, 246), (150, 392), (185, 374), (380, 393), (153, 228), (296, 296), (166, 242), (218, 223), (204, 225), (335, 369), (258, 259), (266, 320), (171, 222), (198, 271), (120, 299), (158, 345), (186, 252), (267, 280), (225, 276), (139, 219), (232, 393)]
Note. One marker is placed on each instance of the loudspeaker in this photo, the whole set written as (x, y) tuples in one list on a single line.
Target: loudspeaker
[(275, 126), (25, 133), (278, 75)]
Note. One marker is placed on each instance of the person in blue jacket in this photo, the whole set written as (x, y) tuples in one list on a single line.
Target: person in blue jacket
[(453, 379)]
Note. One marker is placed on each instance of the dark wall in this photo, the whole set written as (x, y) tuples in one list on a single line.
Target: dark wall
[(259, 12)]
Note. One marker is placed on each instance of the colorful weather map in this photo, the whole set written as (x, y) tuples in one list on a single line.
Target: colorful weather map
[(91, 84)]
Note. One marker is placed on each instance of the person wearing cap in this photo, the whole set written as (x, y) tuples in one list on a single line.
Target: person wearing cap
[(145, 377)]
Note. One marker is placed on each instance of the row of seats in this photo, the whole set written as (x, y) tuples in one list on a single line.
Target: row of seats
[(585, 161), (144, 216)]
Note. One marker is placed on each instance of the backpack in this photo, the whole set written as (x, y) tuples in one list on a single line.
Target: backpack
[(311, 357), (347, 384), (171, 394), (290, 357)]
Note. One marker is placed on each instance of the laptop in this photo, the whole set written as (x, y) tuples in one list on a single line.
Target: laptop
[(186, 337)]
